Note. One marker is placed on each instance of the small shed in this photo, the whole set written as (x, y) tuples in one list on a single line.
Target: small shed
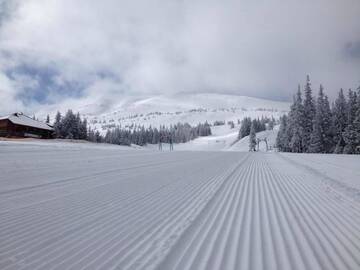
[(20, 125)]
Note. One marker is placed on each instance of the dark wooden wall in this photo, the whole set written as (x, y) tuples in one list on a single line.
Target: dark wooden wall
[(8, 129)]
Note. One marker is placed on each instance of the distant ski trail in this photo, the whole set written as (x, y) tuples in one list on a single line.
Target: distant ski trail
[(105, 209)]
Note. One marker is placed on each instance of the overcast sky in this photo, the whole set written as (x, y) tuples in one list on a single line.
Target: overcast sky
[(82, 51)]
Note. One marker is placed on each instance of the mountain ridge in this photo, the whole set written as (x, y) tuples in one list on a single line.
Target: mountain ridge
[(190, 108)]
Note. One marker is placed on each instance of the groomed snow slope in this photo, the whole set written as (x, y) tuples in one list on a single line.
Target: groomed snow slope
[(64, 208)]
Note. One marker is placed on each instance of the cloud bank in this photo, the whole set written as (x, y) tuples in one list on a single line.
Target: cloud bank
[(76, 52)]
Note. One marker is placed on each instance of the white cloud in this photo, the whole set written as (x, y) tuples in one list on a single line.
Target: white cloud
[(261, 48), (8, 92)]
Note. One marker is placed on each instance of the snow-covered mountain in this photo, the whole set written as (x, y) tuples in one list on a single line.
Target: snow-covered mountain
[(171, 109)]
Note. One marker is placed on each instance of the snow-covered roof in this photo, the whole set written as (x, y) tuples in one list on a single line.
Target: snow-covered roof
[(21, 119)]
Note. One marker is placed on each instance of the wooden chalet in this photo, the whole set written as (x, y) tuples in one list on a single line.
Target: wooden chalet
[(22, 126)]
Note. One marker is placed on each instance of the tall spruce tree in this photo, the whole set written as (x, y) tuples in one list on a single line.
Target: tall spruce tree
[(83, 130), (349, 134), (58, 125), (252, 138), (357, 122), (317, 138), (296, 123), (282, 139), (245, 128), (69, 125), (327, 126), (309, 115), (339, 119)]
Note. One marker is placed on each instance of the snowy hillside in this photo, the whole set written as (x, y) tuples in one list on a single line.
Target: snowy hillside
[(225, 139), (243, 144), (171, 109), (221, 139)]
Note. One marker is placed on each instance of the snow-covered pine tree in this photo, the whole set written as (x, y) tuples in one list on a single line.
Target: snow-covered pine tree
[(58, 125), (339, 148), (308, 116), (83, 130), (282, 139), (156, 136), (357, 122), (317, 144), (98, 137), (322, 141), (327, 126), (339, 120), (91, 135), (252, 137), (77, 126), (245, 128), (350, 135), (290, 123), (69, 125), (271, 123), (316, 141), (296, 122)]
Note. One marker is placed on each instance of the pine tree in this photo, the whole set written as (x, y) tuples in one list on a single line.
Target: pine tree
[(98, 137), (339, 120), (327, 127), (296, 120), (339, 148), (252, 138), (70, 126), (316, 140), (83, 130), (357, 123), (91, 135), (245, 128), (350, 135), (48, 119), (77, 126), (282, 139), (317, 144), (58, 125), (271, 123), (309, 115)]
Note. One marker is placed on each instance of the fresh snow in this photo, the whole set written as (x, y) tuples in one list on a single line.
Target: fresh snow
[(184, 108), (221, 139), (86, 207), (243, 144), (224, 138)]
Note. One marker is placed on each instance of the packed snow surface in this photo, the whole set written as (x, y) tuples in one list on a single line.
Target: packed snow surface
[(82, 207)]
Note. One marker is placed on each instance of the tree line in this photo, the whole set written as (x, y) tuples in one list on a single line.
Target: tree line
[(313, 126), (258, 125), (179, 133), (71, 126)]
